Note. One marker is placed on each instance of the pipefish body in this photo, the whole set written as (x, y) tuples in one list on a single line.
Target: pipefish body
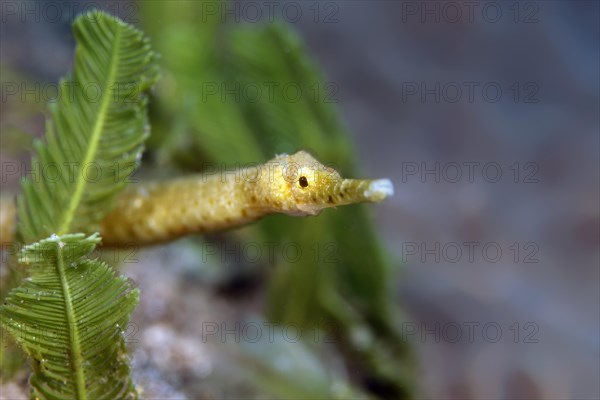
[(155, 212)]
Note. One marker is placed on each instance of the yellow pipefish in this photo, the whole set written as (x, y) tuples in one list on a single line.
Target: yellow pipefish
[(156, 212)]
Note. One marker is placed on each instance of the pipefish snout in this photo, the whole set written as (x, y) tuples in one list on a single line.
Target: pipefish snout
[(155, 212)]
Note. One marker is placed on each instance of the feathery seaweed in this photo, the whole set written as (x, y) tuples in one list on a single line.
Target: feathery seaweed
[(95, 135), (68, 315)]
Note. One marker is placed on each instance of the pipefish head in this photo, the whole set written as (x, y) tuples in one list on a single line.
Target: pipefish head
[(301, 185)]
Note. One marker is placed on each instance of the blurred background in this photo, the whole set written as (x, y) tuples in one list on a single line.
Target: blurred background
[(478, 279)]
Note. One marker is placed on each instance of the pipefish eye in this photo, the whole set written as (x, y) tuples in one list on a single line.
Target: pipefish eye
[(303, 181)]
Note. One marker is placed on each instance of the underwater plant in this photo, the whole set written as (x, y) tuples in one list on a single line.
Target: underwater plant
[(69, 313)]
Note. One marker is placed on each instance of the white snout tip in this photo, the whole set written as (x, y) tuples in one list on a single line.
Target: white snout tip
[(379, 189)]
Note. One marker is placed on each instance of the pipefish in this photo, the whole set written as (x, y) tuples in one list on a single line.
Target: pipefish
[(156, 212)]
